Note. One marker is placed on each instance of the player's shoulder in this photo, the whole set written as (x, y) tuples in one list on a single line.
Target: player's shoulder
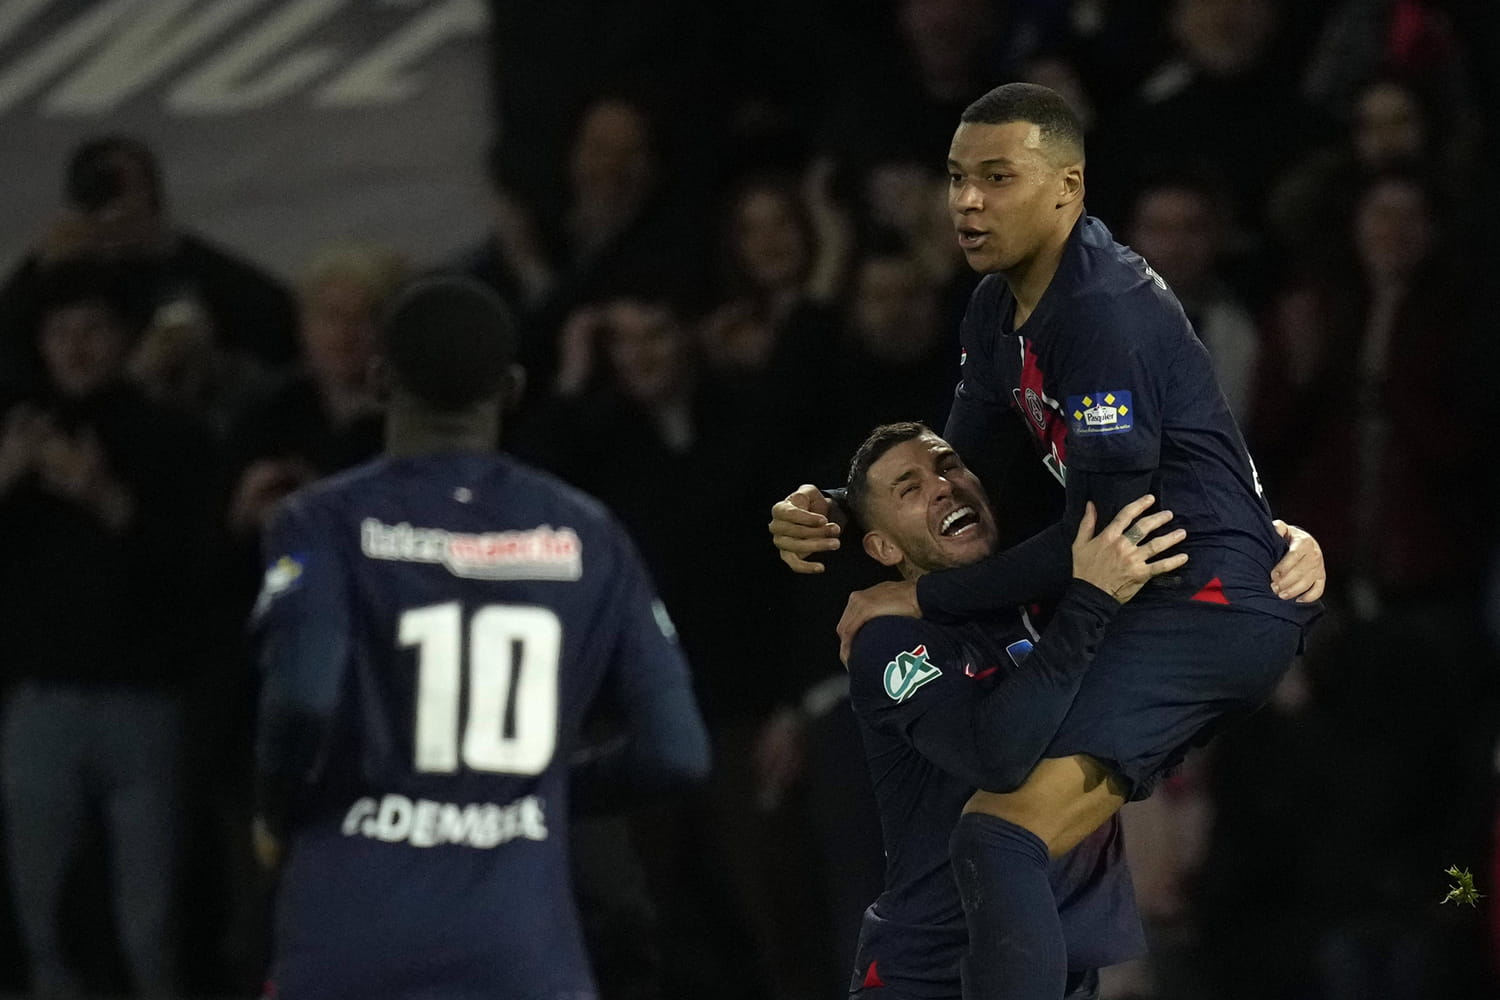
[(895, 655), (328, 496), (545, 487), (1108, 271), (1113, 291)]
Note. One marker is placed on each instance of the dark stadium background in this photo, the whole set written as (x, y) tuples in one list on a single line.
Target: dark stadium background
[(721, 225)]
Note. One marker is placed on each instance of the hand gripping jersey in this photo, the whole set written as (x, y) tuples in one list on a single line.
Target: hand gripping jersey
[(433, 630)]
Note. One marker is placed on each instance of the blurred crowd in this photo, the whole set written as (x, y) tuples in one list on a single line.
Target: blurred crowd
[(724, 233)]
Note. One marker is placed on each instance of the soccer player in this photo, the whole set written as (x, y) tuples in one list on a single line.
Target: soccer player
[(432, 627), (1078, 338), (945, 709)]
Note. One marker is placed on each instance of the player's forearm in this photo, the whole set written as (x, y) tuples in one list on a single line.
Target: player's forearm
[(299, 692), (1038, 569), (1018, 719), (286, 756)]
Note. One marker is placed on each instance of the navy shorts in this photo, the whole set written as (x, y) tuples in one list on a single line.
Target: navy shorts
[(1167, 676)]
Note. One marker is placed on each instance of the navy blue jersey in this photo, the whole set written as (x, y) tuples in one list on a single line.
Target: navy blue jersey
[(1109, 379), (946, 709), (433, 630)]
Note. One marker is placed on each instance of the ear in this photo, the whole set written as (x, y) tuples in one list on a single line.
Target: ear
[(1070, 185), (882, 549), (512, 389)]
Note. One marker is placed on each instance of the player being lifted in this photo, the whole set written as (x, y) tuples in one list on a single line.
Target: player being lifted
[(945, 709), (432, 627), (1077, 338)]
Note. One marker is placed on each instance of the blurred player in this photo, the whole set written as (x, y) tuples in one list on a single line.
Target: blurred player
[(432, 627), (1075, 337), (947, 709)]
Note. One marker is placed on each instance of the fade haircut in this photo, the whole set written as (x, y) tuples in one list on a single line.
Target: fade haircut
[(881, 440), (449, 341), (1030, 102)]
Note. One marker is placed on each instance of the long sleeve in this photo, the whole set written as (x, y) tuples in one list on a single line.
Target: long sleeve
[(302, 629), (909, 676), (1038, 569), (665, 743)]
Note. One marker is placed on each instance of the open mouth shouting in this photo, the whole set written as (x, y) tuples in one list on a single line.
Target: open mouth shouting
[(959, 521)]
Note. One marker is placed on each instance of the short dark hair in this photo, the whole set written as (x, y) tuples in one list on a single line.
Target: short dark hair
[(449, 341), (1029, 102), (93, 176), (881, 440)]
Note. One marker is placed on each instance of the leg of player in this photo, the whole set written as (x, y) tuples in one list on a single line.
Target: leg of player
[(1000, 851)]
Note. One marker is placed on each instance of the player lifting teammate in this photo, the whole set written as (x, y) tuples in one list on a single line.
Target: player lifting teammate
[(1076, 339)]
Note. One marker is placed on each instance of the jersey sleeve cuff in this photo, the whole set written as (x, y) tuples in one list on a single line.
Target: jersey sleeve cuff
[(1086, 597)]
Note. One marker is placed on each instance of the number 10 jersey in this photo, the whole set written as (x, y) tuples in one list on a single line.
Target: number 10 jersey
[(433, 630)]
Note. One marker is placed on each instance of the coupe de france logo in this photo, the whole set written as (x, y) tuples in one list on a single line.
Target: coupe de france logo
[(907, 672), (1101, 413)]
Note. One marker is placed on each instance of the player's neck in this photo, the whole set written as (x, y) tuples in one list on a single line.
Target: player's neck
[(415, 430), (1030, 279)]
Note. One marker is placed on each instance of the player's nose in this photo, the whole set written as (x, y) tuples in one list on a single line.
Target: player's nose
[(966, 198)]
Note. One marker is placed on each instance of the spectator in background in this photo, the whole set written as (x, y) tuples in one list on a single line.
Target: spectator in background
[(1178, 225), (324, 417), (902, 98), (786, 253), (1352, 372), (898, 357), (105, 505), (1411, 40), (675, 452), (1392, 126), (1166, 838), (1109, 47), (1219, 105), (905, 201), (116, 210), (634, 410), (619, 219)]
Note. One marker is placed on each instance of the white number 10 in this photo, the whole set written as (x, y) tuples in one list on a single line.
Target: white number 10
[(512, 654)]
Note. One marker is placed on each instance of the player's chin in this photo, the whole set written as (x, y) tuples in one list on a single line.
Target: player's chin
[(983, 259), (968, 546)]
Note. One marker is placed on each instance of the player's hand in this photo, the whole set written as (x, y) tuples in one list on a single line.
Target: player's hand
[(1118, 560), (262, 484), (893, 598), (267, 846), (576, 349), (804, 524), (21, 438), (1301, 573), (779, 754), (175, 356)]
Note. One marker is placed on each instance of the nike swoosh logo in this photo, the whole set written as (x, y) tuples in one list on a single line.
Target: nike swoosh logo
[(969, 671)]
